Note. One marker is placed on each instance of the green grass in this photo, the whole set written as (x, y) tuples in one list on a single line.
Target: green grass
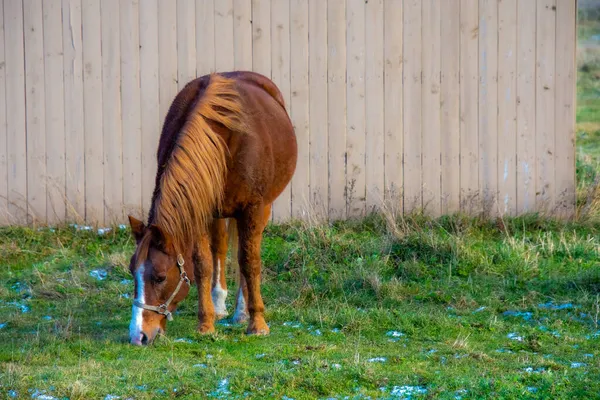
[(332, 295)]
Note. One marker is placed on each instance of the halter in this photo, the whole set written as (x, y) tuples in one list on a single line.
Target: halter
[(164, 308)]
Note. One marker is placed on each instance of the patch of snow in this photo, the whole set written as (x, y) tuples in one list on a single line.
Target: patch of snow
[(81, 227), (578, 364), (41, 395), (222, 389), (200, 366), (141, 387), (531, 370), (125, 295), (122, 226), (480, 309), (102, 231), (588, 355), (532, 389), (209, 356), (377, 359), (336, 366), (514, 336), (12, 393), (99, 274), (111, 397), (317, 332), (260, 355), (24, 308), (406, 391), (336, 330), (551, 306), (287, 398), (460, 393), (2, 325), (47, 318), (292, 324), (126, 281), (394, 334), (184, 340), (526, 315), (504, 351)]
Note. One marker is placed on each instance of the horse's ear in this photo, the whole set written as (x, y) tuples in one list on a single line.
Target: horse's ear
[(137, 228), (161, 239)]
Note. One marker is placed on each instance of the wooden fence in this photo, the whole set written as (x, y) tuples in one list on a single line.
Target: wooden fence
[(445, 105)]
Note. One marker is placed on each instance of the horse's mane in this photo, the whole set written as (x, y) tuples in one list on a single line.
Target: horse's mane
[(191, 182)]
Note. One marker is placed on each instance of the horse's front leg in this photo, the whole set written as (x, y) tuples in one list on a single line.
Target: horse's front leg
[(203, 270), (250, 230)]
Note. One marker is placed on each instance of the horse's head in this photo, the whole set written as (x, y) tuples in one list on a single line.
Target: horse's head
[(161, 281)]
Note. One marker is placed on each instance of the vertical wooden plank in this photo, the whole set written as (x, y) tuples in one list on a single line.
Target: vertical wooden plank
[(149, 93), (131, 107), (242, 35), (507, 107), (566, 39), (167, 50), (488, 104), (261, 37), (15, 111), (412, 105), (92, 107), (55, 112), (74, 125), (545, 104), (355, 117), (469, 141), (280, 72), (111, 112), (450, 90), (374, 160), (336, 106), (526, 53), (186, 42), (205, 37), (4, 219), (224, 53), (393, 104), (299, 104), (35, 110), (317, 34), (431, 111)]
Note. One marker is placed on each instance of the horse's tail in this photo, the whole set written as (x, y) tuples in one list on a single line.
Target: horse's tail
[(232, 238), (193, 181)]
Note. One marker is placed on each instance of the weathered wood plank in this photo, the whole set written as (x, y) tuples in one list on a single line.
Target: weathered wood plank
[(545, 105), (205, 37), (167, 50), (92, 108), (280, 72), (507, 107), (319, 184), (374, 102), (488, 105), (35, 111), (412, 59), (299, 105), (242, 34), (393, 105), (336, 106), (186, 41), (111, 112), (131, 118), (4, 218), (149, 93), (261, 37), (73, 107), (450, 112), (469, 140), (526, 53), (431, 110), (566, 40), (224, 49)]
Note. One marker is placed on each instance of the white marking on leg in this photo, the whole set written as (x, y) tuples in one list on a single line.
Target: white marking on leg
[(241, 313), (219, 294), (135, 327)]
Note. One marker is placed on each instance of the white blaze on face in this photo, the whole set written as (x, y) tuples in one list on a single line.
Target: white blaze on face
[(135, 327), (218, 293)]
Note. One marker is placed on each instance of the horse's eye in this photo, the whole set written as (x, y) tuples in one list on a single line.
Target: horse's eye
[(159, 279)]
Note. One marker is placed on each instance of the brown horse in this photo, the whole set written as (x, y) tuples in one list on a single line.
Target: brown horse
[(226, 151)]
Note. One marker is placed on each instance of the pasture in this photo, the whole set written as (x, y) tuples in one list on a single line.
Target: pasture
[(451, 308), (387, 307)]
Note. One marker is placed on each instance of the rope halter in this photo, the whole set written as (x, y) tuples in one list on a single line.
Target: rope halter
[(164, 308)]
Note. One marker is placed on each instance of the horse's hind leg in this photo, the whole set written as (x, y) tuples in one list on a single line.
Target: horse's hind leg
[(250, 230), (219, 252), (203, 272)]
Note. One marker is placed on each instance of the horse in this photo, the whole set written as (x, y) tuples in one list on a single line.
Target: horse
[(227, 150)]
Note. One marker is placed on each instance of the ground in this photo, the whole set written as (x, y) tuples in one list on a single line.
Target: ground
[(382, 308)]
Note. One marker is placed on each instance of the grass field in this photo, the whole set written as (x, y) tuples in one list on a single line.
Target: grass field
[(454, 308)]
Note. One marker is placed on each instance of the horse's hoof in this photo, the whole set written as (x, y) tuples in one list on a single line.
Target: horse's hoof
[(259, 328), (222, 315), (205, 329), (240, 318)]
